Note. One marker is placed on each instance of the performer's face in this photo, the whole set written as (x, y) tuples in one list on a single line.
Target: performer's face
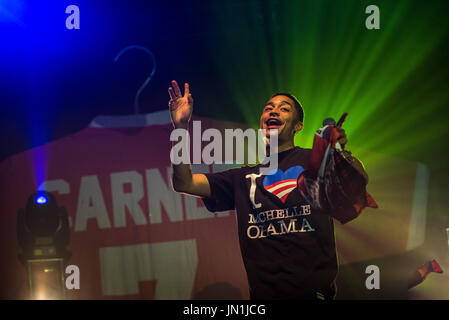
[(280, 113)]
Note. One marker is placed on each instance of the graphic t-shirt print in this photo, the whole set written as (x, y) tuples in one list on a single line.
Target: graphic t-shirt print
[(282, 183), (283, 220)]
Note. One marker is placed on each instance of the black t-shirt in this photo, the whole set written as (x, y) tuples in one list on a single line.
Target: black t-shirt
[(288, 249)]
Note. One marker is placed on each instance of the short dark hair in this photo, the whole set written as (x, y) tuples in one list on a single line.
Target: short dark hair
[(297, 104)]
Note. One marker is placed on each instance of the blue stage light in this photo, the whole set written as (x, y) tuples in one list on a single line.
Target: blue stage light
[(41, 199), (11, 11)]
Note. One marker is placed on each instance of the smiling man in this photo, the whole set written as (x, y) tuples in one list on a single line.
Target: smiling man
[(288, 248), (284, 113)]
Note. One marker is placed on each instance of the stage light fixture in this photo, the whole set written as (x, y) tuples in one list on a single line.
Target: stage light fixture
[(43, 235)]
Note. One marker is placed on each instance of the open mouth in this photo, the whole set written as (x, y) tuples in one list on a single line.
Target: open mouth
[(273, 123)]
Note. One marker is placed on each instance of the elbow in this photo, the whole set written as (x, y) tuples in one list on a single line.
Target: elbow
[(176, 187), (179, 187)]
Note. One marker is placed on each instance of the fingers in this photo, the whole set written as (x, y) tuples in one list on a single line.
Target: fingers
[(342, 139), (171, 93), (341, 132), (177, 90)]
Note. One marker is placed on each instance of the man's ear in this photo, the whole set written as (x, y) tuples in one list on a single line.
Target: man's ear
[(298, 127)]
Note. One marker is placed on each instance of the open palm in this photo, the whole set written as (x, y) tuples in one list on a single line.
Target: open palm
[(180, 106)]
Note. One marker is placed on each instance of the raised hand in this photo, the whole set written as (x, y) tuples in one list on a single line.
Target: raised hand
[(180, 106), (342, 138)]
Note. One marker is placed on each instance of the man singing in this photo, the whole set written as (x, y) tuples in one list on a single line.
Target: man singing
[(287, 246)]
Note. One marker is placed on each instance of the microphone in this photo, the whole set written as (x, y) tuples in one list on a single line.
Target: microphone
[(331, 121), (328, 122)]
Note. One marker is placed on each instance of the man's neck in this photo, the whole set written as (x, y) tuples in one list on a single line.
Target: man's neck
[(282, 147), (285, 147)]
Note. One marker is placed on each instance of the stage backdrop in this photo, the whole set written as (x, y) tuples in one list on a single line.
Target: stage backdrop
[(133, 237)]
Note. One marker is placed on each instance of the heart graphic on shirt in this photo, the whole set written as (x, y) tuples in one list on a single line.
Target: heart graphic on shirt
[(282, 183)]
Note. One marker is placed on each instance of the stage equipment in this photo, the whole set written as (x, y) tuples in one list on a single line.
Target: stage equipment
[(43, 234)]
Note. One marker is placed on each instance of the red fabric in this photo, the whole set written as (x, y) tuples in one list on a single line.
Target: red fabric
[(104, 154), (436, 267), (352, 181)]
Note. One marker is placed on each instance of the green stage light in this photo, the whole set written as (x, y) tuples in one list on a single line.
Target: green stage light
[(388, 80), (393, 82)]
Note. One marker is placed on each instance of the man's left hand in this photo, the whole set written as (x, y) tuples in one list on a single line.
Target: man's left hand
[(342, 139)]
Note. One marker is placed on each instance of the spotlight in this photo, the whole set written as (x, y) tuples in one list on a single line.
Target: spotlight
[(41, 199), (43, 234)]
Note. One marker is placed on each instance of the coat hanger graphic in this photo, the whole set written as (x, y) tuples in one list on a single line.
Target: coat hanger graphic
[(147, 80)]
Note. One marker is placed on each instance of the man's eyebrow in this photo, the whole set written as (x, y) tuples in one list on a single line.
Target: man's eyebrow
[(281, 104), (285, 102)]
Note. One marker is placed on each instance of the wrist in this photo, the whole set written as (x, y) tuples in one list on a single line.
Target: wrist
[(182, 125)]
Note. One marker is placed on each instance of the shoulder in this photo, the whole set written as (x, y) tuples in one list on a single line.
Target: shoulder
[(302, 152), (229, 172)]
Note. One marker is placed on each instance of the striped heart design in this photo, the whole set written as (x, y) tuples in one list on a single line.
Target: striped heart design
[(282, 183)]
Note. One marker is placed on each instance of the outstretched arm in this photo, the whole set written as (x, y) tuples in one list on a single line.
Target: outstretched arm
[(183, 180)]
